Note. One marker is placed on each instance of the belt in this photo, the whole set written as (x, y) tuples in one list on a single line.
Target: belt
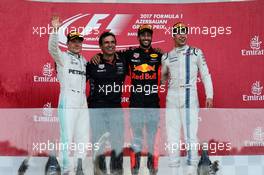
[(185, 86), (176, 84), (65, 90), (76, 91)]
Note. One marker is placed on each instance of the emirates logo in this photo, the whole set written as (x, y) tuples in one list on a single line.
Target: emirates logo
[(257, 138), (47, 70), (256, 93), (258, 135), (46, 116), (255, 47), (256, 88), (47, 110), (255, 43), (47, 75)]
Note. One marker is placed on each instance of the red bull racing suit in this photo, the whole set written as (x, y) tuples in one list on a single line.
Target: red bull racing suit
[(144, 71)]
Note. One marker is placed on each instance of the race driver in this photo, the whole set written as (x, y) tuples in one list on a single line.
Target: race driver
[(181, 65), (72, 112), (106, 116), (144, 64)]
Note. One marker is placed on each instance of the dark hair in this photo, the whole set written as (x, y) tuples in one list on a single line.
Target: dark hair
[(178, 29), (104, 35)]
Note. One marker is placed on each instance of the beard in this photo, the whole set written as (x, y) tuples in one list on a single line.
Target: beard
[(145, 45)]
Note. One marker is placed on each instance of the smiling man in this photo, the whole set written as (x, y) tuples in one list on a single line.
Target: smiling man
[(143, 65), (104, 101), (72, 112), (182, 65)]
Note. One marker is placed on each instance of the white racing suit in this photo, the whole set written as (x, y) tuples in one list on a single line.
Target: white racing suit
[(73, 110), (182, 106)]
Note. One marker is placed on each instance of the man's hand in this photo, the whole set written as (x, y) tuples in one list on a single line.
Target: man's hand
[(163, 79), (159, 50), (162, 82), (95, 59), (209, 103), (55, 22)]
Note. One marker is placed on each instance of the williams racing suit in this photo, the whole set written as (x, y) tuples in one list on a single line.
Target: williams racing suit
[(72, 112), (182, 66)]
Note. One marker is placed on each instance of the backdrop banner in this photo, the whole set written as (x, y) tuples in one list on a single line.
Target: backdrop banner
[(230, 34)]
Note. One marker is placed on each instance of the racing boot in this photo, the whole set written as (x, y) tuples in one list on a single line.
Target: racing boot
[(100, 165), (116, 163), (79, 170), (52, 166), (190, 170), (135, 168), (150, 165), (205, 166), (23, 167)]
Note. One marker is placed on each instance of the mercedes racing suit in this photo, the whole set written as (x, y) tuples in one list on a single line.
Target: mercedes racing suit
[(72, 112), (182, 105)]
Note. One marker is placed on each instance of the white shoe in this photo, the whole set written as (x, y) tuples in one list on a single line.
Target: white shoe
[(190, 170), (174, 167), (174, 170)]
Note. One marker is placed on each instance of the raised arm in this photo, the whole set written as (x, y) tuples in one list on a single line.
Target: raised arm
[(53, 45)]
